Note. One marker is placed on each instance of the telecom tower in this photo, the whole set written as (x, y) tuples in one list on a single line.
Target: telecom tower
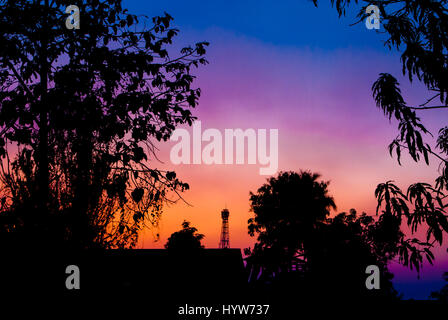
[(224, 242)]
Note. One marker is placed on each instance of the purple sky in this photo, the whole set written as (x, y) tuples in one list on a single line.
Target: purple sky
[(305, 72)]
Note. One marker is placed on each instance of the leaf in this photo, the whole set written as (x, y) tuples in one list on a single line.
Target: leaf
[(137, 194), (129, 20), (429, 255), (137, 216), (398, 150), (170, 175)]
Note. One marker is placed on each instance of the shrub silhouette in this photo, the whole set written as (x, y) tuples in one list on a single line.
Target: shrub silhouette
[(185, 240)]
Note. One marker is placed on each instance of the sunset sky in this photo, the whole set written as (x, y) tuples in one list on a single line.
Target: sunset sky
[(304, 71)]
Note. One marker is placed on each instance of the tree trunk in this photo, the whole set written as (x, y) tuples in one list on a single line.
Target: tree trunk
[(42, 163)]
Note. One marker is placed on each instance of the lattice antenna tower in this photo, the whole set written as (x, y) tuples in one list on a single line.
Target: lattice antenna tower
[(224, 242)]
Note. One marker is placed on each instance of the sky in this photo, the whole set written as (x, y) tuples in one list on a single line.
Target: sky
[(306, 72)]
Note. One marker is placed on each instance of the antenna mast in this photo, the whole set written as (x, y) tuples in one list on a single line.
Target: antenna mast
[(224, 242)]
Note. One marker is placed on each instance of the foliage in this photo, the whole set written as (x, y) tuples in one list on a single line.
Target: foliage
[(441, 295), (287, 209), (296, 236), (419, 30), (79, 111), (185, 240), (421, 205)]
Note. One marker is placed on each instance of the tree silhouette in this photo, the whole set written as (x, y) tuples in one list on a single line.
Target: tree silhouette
[(287, 210), (425, 208), (441, 295), (342, 248), (419, 30), (299, 245), (185, 240), (79, 112)]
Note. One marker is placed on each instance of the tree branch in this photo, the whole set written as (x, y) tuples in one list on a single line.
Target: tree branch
[(22, 82), (427, 108)]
